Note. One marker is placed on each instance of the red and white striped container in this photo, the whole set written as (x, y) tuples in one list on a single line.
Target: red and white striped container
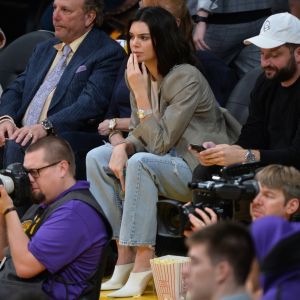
[(167, 274)]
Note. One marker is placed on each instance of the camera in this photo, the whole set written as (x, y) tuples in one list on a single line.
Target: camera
[(222, 194), (16, 182)]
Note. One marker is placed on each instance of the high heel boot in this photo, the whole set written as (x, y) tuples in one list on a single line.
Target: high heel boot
[(135, 286), (119, 277)]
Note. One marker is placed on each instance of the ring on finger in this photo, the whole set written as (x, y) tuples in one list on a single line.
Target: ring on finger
[(30, 134)]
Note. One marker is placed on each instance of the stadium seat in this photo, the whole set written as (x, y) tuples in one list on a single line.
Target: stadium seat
[(14, 57)]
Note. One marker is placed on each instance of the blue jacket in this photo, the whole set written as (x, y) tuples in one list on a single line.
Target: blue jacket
[(84, 90)]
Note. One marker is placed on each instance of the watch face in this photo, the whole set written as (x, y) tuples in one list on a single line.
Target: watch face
[(141, 113), (250, 157), (112, 124), (47, 125)]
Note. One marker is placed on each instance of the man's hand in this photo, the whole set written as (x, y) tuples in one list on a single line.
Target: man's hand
[(103, 128), (198, 36), (222, 155), (118, 162), (207, 217), (7, 129), (29, 134), (5, 201)]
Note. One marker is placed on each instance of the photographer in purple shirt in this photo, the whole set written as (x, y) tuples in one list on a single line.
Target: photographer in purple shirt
[(58, 245)]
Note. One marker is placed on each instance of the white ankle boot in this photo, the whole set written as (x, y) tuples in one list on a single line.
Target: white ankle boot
[(135, 286), (118, 279)]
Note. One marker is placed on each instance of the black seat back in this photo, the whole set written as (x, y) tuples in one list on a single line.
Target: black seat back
[(14, 58)]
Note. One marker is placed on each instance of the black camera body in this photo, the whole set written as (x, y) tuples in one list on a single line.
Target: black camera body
[(17, 184), (222, 195)]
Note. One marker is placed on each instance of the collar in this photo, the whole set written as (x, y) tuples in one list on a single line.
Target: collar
[(74, 45), (79, 185)]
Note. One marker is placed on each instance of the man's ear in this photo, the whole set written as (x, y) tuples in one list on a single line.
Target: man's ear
[(297, 54), (64, 168), (89, 18), (292, 206), (223, 271)]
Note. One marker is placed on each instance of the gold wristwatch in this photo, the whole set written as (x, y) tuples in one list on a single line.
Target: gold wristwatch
[(141, 113), (112, 124)]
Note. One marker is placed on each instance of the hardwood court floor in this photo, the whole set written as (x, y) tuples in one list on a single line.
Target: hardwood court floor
[(148, 295)]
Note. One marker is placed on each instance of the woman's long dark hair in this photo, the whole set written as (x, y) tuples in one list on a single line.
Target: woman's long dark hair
[(170, 47)]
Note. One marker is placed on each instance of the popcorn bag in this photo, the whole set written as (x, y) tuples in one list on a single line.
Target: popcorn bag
[(167, 274)]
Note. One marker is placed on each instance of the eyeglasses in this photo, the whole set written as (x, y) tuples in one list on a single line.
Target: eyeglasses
[(35, 173)]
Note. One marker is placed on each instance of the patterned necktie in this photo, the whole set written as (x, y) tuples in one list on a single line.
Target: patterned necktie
[(37, 103)]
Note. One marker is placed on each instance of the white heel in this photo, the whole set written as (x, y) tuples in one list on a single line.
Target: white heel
[(118, 279), (135, 286)]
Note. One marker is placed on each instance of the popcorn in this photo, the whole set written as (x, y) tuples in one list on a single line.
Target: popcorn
[(167, 273)]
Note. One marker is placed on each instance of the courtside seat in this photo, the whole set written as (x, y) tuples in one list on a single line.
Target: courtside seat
[(14, 57)]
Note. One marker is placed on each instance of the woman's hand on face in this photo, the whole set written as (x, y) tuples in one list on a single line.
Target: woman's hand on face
[(137, 77), (118, 162)]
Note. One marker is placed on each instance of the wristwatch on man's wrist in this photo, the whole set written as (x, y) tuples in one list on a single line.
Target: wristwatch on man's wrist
[(112, 124), (48, 126), (141, 113), (249, 156)]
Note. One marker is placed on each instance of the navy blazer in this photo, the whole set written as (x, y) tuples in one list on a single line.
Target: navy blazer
[(84, 90)]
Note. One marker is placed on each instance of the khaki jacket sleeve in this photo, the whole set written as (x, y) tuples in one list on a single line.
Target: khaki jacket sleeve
[(182, 95)]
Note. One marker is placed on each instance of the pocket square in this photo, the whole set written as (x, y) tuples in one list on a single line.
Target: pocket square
[(81, 69)]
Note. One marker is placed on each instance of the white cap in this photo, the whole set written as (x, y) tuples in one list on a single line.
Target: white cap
[(277, 30)]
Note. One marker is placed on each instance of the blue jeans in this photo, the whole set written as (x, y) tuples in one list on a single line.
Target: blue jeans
[(148, 176)]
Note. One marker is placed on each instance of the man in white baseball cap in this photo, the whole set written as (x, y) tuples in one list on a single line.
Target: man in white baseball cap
[(276, 31), (271, 134)]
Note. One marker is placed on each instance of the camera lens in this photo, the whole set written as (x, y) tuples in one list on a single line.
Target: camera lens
[(170, 218), (7, 183)]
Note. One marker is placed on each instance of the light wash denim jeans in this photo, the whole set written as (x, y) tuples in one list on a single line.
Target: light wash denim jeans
[(147, 176)]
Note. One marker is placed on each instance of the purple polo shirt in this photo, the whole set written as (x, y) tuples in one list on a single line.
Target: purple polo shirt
[(71, 239)]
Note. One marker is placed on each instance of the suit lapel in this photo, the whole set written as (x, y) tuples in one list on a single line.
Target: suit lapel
[(41, 71), (82, 54)]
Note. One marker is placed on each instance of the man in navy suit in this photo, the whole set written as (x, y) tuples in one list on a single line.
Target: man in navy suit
[(79, 101)]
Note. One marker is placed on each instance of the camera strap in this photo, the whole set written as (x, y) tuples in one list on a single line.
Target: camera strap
[(36, 222)]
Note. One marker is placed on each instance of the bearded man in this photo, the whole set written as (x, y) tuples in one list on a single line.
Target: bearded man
[(271, 134)]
